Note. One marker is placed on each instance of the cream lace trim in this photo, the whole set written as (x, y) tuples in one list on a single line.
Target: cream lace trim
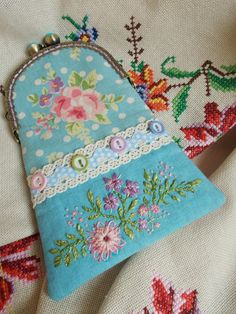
[(88, 151)]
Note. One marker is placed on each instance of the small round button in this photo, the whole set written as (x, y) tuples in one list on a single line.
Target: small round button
[(38, 181), (156, 127), (118, 144), (79, 162)]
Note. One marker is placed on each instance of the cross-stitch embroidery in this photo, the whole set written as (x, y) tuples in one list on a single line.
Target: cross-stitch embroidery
[(16, 264), (168, 300)]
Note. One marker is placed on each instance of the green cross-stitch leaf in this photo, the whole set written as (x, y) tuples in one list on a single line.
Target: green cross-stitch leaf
[(223, 84), (74, 79), (175, 72), (180, 102), (229, 68)]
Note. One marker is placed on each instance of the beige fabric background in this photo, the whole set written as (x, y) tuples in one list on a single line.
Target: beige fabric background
[(193, 31)]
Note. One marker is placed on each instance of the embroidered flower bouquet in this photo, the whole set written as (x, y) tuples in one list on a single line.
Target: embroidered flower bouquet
[(106, 179)]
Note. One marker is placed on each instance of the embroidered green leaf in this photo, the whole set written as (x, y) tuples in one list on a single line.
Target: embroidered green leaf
[(132, 204), (57, 261), (90, 196), (147, 192), (175, 198), (70, 236), (145, 201), (92, 217), (180, 102), (120, 212), (91, 79), (89, 210), (146, 175), (83, 250), (229, 68), (67, 259), (194, 182), (102, 119), (54, 251), (175, 72), (132, 215), (74, 79), (75, 53), (147, 184), (223, 84), (75, 252), (34, 99), (80, 230), (61, 242), (98, 203), (129, 232)]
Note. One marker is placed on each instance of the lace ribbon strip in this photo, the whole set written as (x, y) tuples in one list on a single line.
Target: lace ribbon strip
[(60, 175)]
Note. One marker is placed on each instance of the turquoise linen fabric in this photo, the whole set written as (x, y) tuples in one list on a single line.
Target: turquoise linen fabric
[(66, 100), (53, 225)]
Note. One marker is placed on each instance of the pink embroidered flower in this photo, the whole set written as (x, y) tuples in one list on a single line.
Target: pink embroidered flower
[(111, 202), (142, 223), (105, 240), (143, 210), (113, 183), (45, 100), (131, 188), (155, 209), (55, 85), (75, 104)]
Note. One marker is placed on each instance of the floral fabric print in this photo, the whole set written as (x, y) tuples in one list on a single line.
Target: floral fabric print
[(73, 97)]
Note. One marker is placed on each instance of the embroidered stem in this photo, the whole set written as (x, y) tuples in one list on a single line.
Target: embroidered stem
[(134, 39), (68, 18)]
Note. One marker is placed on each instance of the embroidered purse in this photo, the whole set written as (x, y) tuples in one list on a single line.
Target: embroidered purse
[(106, 179)]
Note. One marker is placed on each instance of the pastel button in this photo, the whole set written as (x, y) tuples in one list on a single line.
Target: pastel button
[(79, 163), (118, 144), (156, 127), (38, 181)]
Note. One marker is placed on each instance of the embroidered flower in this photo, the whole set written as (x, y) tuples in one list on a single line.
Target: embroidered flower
[(111, 202), (87, 35), (155, 209), (113, 183), (142, 223), (105, 240), (75, 104), (55, 85), (131, 188), (45, 100), (143, 210)]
